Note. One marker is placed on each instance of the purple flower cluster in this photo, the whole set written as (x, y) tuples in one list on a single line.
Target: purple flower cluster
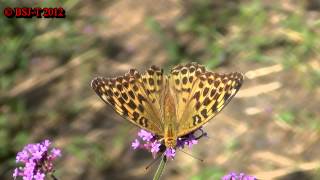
[(37, 159), (152, 143), (240, 176)]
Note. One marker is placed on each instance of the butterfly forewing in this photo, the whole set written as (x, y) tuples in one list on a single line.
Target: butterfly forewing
[(182, 80), (134, 97), (201, 94)]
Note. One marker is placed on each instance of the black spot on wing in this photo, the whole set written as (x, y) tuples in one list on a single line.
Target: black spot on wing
[(184, 80), (196, 119), (132, 105), (204, 113), (135, 116)]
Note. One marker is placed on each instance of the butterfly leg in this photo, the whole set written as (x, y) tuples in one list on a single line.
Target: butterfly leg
[(161, 140)]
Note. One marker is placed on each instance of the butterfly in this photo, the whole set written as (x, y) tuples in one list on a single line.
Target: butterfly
[(170, 106)]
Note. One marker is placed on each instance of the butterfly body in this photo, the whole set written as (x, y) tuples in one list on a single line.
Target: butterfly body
[(168, 116), (169, 106)]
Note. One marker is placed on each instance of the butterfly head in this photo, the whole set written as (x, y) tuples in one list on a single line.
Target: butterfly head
[(170, 142)]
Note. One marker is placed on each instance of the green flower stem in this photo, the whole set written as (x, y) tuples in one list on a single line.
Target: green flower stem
[(160, 169), (53, 176)]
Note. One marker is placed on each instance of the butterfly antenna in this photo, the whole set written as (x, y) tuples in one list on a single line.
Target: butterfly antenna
[(152, 162), (191, 155)]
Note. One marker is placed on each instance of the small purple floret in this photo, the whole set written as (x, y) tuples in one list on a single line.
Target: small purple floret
[(170, 153), (191, 140), (39, 176), (55, 152), (37, 160), (135, 144), (145, 135), (155, 147), (235, 176)]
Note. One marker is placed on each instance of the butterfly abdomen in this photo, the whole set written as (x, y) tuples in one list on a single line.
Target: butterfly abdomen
[(170, 136)]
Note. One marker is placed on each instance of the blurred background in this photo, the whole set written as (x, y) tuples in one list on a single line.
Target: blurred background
[(271, 129)]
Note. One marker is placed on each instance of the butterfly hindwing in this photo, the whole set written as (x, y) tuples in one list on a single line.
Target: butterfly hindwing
[(134, 97), (201, 94)]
